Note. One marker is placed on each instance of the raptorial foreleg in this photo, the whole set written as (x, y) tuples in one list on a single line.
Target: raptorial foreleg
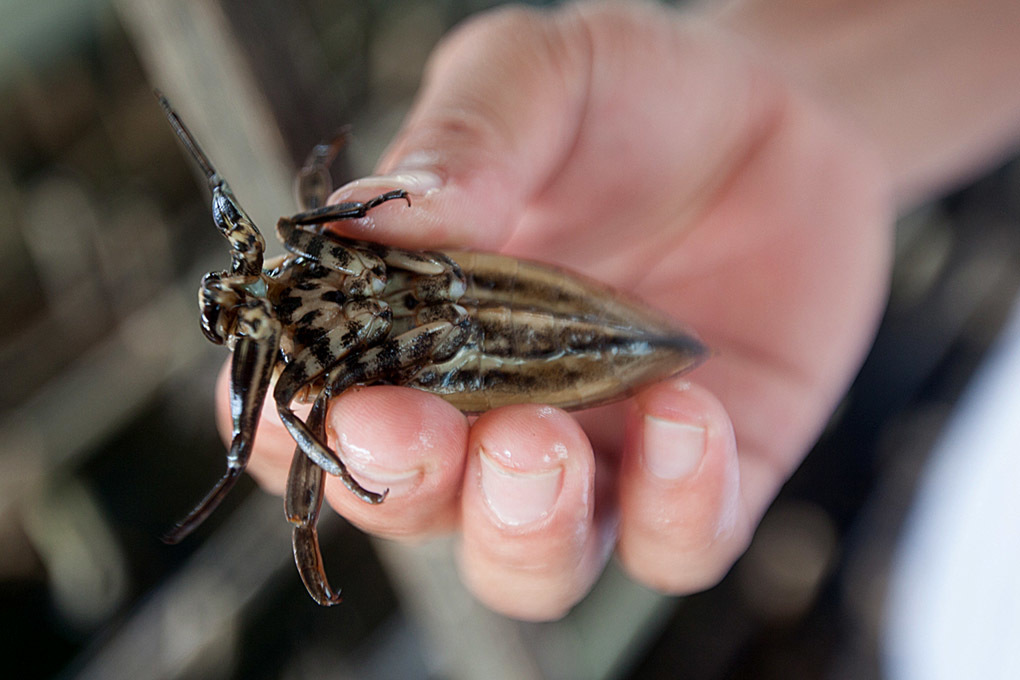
[(366, 270)]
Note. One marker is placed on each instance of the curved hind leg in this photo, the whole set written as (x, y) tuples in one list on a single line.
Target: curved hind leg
[(306, 484)]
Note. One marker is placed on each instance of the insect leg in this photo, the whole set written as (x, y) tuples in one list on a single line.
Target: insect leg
[(439, 338), (313, 183), (361, 323), (348, 209), (321, 455), (305, 486), (365, 322), (421, 262), (246, 243), (250, 371), (366, 271)]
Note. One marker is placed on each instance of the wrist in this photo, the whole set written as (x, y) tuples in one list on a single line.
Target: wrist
[(931, 82)]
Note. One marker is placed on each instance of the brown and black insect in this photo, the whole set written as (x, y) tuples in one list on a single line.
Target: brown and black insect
[(478, 329)]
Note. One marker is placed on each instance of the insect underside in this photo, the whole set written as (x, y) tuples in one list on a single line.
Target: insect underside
[(480, 330)]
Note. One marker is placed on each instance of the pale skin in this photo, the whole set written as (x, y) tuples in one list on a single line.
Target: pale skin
[(730, 167)]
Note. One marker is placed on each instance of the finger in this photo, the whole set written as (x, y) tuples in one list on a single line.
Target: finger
[(530, 547), (682, 519), (406, 441), (489, 127)]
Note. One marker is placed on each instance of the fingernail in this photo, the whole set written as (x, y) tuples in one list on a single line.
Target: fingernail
[(519, 498), (360, 462), (417, 182), (672, 450)]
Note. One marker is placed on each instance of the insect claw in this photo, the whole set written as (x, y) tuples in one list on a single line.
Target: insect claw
[(308, 558), (388, 196), (323, 456), (177, 534), (370, 497)]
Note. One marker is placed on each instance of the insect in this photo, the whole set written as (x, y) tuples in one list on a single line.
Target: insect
[(480, 330)]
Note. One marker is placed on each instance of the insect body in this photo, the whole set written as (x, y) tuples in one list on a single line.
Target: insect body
[(478, 329)]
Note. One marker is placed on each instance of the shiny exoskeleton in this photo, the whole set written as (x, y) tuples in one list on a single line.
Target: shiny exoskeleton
[(478, 329)]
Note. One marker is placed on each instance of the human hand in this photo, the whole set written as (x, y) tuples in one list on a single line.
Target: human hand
[(650, 151)]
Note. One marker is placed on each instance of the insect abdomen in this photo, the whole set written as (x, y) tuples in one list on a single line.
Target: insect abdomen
[(542, 335)]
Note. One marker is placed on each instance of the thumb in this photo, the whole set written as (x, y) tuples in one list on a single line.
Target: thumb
[(499, 109)]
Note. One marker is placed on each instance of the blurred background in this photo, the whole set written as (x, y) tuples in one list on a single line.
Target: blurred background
[(106, 383)]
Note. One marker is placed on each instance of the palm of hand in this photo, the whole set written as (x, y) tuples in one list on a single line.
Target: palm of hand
[(737, 205)]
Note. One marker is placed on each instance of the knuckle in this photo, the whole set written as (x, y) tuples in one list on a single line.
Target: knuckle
[(482, 32), (682, 567), (524, 596)]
